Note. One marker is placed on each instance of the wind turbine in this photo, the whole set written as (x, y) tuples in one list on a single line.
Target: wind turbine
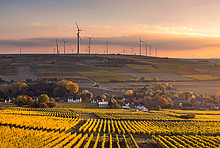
[(156, 51), (78, 37), (107, 42), (64, 42), (146, 50), (140, 44), (150, 50), (57, 47), (54, 50), (89, 44), (20, 50), (132, 50)]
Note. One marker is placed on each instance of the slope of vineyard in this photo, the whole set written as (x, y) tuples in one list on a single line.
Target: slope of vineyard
[(63, 127)]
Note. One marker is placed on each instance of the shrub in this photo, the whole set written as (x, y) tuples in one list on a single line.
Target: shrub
[(188, 116), (51, 104)]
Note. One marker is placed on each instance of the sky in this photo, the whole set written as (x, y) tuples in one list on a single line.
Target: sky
[(184, 29)]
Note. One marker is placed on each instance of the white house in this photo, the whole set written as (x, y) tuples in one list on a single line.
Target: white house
[(141, 108), (103, 104), (126, 106), (76, 100)]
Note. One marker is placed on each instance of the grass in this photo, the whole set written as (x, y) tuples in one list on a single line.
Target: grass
[(64, 75), (201, 77), (106, 76), (142, 68)]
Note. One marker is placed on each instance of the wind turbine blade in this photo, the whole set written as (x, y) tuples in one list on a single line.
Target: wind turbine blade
[(77, 26)]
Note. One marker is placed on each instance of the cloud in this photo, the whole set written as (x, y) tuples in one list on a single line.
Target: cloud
[(164, 41), (36, 24)]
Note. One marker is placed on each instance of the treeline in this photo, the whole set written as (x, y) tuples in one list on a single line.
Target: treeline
[(51, 87), (43, 101)]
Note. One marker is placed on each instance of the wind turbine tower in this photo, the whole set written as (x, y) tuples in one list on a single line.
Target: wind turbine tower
[(107, 43), (57, 47), (150, 50), (78, 37), (140, 45), (132, 51), (64, 45), (146, 50), (156, 51), (89, 44), (20, 50), (54, 50)]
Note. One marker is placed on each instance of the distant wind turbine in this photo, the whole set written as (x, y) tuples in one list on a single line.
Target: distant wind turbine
[(78, 37), (156, 51), (140, 44), (107, 43), (54, 50), (132, 51), (146, 50), (64, 50), (150, 50), (57, 47), (89, 44), (20, 50)]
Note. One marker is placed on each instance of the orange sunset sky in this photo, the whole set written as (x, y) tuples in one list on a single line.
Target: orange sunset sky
[(183, 29)]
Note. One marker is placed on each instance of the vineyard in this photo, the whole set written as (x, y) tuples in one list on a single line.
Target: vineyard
[(64, 127)]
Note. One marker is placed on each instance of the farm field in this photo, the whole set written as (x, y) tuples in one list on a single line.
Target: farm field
[(77, 66), (69, 126)]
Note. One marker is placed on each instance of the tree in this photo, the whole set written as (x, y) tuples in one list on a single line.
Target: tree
[(155, 79), (43, 99), (43, 105), (129, 92), (51, 104), (163, 89), (21, 100), (59, 91), (86, 95), (30, 102), (158, 108), (121, 102), (72, 88), (218, 94)]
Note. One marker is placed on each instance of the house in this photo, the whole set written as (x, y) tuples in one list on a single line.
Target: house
[(76, 100), (103, 104), (141, 108), (126, 106)]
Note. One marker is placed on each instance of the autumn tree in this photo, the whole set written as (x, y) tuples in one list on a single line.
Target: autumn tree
[(129, 92), (43, 98), (21, 100), (72, 88), (51, 104), (43, 105), (218, 94)]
